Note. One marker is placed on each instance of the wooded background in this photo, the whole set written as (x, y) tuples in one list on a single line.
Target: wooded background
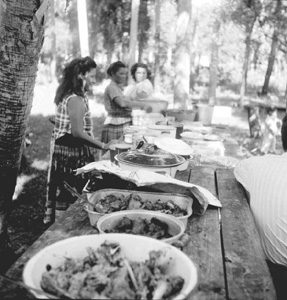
[(196, 50)]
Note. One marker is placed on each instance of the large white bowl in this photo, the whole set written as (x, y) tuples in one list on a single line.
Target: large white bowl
[(175, 227), (157, 105), (133, 247)]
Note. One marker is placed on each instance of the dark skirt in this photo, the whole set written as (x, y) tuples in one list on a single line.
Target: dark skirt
[(64, 160), (113, 132)]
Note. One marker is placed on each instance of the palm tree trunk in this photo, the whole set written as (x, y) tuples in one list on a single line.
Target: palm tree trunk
[(182, 54), (143, 15), (83, 27), (271, 61), (94, 27), (157, 48), (213, 64), (133, 32), (53, 38), (274, 47), (249, 30), (21, 39)]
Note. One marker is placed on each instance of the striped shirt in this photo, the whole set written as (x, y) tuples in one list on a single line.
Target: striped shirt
[(266, 181), (116, 114), (62, 119)]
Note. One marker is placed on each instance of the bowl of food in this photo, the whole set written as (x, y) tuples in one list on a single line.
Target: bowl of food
[(141, 222), (112, 200), (157, 105), (107, 266)]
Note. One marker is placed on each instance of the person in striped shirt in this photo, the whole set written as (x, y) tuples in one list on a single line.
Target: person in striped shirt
[(264, 178), (72, 144), (118, 106)]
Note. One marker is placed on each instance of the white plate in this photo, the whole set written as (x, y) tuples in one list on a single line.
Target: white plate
[(174, 146)]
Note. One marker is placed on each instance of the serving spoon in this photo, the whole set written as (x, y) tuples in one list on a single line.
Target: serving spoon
[(75, 193), (29, 288)]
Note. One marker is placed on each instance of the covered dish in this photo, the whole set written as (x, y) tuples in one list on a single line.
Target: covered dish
[(152, 158)]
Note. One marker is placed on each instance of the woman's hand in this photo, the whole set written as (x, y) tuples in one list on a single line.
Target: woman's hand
[(107, 146)]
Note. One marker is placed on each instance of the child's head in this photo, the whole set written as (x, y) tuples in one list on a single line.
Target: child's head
[(272, 112)]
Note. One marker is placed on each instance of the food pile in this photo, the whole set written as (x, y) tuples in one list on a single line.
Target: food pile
[(118, 201), (153, 228), (105, 273)]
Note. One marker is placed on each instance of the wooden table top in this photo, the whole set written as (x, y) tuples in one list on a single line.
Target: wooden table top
[(224, 243)]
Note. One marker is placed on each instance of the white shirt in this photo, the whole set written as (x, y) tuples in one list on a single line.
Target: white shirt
[(134, 89), (265, 178)]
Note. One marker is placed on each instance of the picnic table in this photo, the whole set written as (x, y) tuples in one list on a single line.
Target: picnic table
[(224, 242)]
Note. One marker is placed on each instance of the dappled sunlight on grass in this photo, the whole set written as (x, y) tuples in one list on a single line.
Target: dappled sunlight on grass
[(40, 164), (21, 181)]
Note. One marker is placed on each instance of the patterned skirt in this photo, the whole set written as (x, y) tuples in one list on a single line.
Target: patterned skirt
[(113, 132), (64, 160)]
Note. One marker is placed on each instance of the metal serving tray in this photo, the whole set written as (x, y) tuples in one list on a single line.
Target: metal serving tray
[(182, 201)]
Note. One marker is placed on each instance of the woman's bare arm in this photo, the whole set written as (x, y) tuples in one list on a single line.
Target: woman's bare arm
[(76, 110), (125, 102)]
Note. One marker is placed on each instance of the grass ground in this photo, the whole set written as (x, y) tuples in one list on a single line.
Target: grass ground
[(26, 223)]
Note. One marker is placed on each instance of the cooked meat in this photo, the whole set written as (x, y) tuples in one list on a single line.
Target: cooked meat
[(153, 228), (108, 277), (112, 202), (168, 207), (139, 226), (125, 224), (135, 201)]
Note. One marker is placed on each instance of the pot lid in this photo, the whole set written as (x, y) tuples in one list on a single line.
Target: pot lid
[(150, 157), (173, 145)]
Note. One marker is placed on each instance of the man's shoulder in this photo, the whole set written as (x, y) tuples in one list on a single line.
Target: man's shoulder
[(269, 159)]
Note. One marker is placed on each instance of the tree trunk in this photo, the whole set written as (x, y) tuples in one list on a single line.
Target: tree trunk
[(95, 8), (83, 27), (271, 61), (193, 43), (285, 95), (142, 32), (72, 19), (133, 33), (249, 29), (21, 39), (53, 46), (274, 47), (156, 82), (213, 64), (182, 54)]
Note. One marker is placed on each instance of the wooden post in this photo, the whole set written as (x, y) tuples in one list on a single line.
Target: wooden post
[(83, 27), (133, 33)]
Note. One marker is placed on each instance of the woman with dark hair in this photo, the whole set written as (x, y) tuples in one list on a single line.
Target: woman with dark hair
[(140, 87), (72, 142), (118, 106)]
